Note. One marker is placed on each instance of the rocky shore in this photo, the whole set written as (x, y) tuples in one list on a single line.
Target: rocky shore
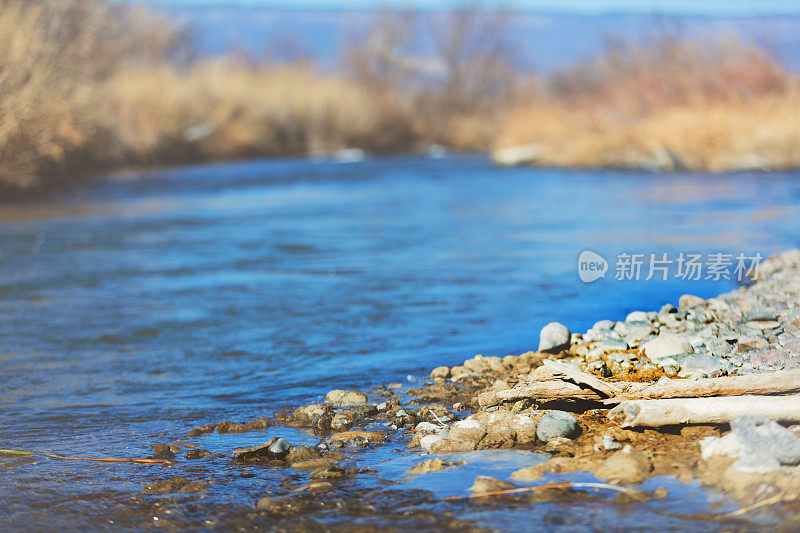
[(557, 401)]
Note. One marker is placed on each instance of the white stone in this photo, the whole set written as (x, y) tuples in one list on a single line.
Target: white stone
[(667, 345), (554, 336), (427, 441), (727, 446)]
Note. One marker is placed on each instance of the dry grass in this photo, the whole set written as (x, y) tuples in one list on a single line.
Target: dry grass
[(88, 85), (224, 109), (676, 105)]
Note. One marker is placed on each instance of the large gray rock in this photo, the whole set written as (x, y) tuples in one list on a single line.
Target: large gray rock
[(279, 448), (764, 444), (557, 424), (667, 345), (554, 337), (702, 365)]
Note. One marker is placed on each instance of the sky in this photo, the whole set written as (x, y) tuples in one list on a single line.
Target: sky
[(689, 7)]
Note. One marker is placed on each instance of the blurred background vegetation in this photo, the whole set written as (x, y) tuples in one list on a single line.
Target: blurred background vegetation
[(87, 86)]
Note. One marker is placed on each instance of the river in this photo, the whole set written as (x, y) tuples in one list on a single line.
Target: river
[(138, 307)]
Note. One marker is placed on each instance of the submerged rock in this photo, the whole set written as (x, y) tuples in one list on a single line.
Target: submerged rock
[(315, 463), (197, 453), (329, 472), (301, 453), (433, 465), (175, 484), (627, 467), (484, 484), (277, 448), (266, 503)]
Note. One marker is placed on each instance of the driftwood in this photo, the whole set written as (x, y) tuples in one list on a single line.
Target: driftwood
[(782, 382), (544, 390), (582, 378), (720, 410)]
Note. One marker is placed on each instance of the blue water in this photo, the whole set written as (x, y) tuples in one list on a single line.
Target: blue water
[(136, 308)]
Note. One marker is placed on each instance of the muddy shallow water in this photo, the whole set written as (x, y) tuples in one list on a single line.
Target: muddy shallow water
[(136, 309)]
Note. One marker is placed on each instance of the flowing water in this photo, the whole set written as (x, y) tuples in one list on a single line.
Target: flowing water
[(135, 309)]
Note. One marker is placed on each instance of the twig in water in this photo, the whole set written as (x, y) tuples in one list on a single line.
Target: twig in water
[(757, 505), (632, 493), (97, 459)]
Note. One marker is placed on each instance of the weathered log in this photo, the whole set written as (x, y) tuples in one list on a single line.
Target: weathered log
[(719, 410), (782, 382), (542, 390), (582, 378)]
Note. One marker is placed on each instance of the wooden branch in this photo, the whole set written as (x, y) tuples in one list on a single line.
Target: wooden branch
[(782, 382), (582, 378), (721, 410), (543, 390)]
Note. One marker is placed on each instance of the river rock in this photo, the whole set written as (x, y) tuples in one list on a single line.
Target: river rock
[(560, 445), (524, 427), (765, 444), (557, 424), (699, 366), (554, 337), (489, 484), (346, 397), (328, 472), (689, 300), (197, 453), (610, 443), (637, 316), (529, 473), (667, 309), (251, 452), (265, 503), (718, 347), (313, 464), (427, 441), (614, 345), (603, 325), (468, 431), (627, 467), (279, 447), (667, 345), (445, 446), (433, 465), (176, 484), (442, 372), (727, 445), (301, 453), (497, 437), (319, 485), (769, 359), (309, 413)]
